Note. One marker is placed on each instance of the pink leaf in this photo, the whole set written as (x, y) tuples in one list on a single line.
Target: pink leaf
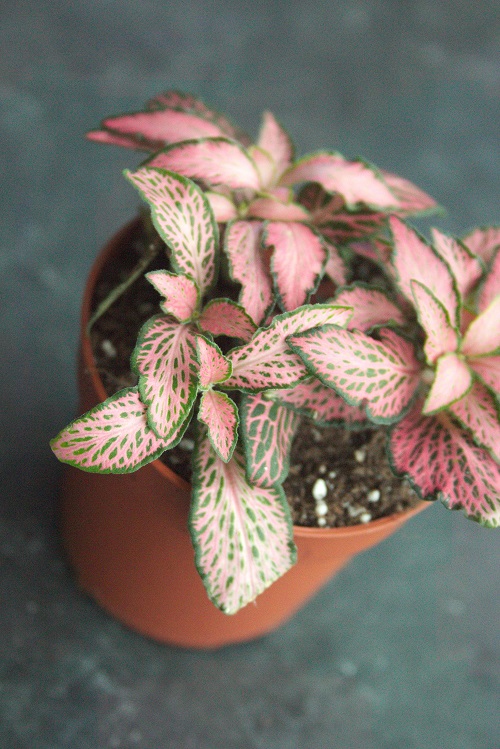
[(465, 267), (166, 362), (277, 143), (491, 286), (452, 381), (354, 180), (411, 199), (267, 361), (113, 437), (371, 307), (248, 267), (381, 376), (375, 249), (297, 261), (222, 207), (483, 334), (180, 292), (182, 215), (478, 412), (268, 430), (242, 534), (224, 317), (488, 370), (216, 161), (214, 367), (442, 463), (415, 260), (483, 242), (335, 267), (313, 399), (220, 414), (265, 166), (442, 336), (275, 210), (125, 141)]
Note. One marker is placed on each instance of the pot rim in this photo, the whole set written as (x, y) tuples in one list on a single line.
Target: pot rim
[(110, 248)]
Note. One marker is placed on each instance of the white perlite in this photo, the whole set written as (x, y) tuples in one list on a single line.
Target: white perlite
[(321, 508), (365, 517), (319, 490), (373, 496), (321, 522), (360, 456), (108, 349)]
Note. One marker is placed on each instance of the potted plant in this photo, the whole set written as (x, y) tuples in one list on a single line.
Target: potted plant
[(287, 290)]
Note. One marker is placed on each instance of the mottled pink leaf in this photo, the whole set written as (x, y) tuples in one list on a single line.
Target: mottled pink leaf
[(166, 362), (479, 413), (224, 317), (247, 266), (180, 293), (442, 463), (411, 199), (415, 260), (482, 337), (268, 430), (217, 161), (242, 534), (265, 166), (222, 207), (354, 180), (113, 437), (162, 127), (220, 414), (488, 370), (381, 376), (441, 335), (322, 404), (214, 367), (453, 379), (125, 141), (371, 307), (277, 143), (335, 267), (267, 361), (275, 210), (297, 261), (483, 242), (465, 267), (491, 286), (182, 215), (375, 249)]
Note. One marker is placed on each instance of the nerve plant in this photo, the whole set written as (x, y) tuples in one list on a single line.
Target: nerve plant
[(417, 349)]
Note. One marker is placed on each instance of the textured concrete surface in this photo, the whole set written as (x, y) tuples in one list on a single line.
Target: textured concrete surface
[(400, 651)]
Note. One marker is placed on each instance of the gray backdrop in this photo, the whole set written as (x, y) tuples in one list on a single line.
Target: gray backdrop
[(400, 651)]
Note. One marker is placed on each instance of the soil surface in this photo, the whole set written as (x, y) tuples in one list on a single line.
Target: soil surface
[(337, 477)]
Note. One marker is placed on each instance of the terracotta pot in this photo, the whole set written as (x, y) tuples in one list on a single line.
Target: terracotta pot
[(127, 538)]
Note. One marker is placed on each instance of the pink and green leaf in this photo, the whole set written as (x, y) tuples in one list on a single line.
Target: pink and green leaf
[(181, 294), (111, 138), (297, 261), (277, 142), (214, 367), (242, 534), (479, 412), (265, 165), (217, 161), (482, 337), (247, 265), (322, 404), (275, 210), (267, 361), (356, 181), (452, 381), (165, 360), (113, 437), (225, 317), (182, 215), (371, 307), (222, 207), (441, 334), (487, 368), (483, 242), (268, 430), (443, 463), (220, 414), (335, 267), (412, 200), (491, 286), (465, 267), (381, 376)]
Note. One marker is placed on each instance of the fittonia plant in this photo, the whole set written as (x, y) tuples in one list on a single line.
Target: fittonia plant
[(419, 350)]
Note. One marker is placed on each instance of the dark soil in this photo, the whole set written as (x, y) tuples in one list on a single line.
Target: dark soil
[(355, 480)]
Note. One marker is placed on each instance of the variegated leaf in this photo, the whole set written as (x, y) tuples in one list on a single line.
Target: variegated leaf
[(217, 161), (166, 362), (220, 414), (277, 143), (441, 335), (381, 376), (371, 307), (214, 367), (268, 430), (181, 294), (356, 181), (222, 207), (335, 267), (242, 534), (465, 267), (113, 437), (267, 361), (225, 317), (322, 404), (275, 210), (478, 412), (483, 242), (265, 166), (491, 286), (411, 199), (182, 215), (443, 463), (297, 261), (488, 370), (453, 379), (482, 337), (415, 260), (247, 266), (125, 141)]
